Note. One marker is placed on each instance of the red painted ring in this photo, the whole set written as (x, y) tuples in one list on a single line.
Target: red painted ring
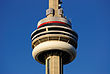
[(51, 22)]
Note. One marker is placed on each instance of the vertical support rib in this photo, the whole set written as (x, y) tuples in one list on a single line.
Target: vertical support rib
[(54, 65)]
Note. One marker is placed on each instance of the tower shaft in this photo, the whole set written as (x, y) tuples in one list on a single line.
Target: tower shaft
[(54, 65)]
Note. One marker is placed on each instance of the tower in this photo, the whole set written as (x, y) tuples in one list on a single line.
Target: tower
[(54, 42)]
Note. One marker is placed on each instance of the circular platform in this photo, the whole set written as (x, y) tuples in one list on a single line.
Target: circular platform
[(41, 51)]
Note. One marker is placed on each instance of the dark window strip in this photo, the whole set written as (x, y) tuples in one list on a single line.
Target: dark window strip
[(55, 33), (54, 28)]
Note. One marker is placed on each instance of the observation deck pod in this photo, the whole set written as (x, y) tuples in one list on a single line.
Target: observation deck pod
[(54, 36)]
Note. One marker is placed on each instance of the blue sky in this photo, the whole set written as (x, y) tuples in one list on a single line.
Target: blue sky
[(90, 19)]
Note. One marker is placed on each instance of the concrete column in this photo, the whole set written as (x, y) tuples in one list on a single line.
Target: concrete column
[(54, 65)]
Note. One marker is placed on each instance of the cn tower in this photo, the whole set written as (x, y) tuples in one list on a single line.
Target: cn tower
[(54, 42)]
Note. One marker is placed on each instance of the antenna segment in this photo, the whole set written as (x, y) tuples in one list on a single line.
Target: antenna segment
[(55, 9)]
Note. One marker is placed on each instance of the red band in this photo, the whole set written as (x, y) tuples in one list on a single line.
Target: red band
[(51, 22)]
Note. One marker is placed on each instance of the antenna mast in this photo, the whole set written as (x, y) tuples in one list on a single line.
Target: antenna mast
[(55, 8)]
